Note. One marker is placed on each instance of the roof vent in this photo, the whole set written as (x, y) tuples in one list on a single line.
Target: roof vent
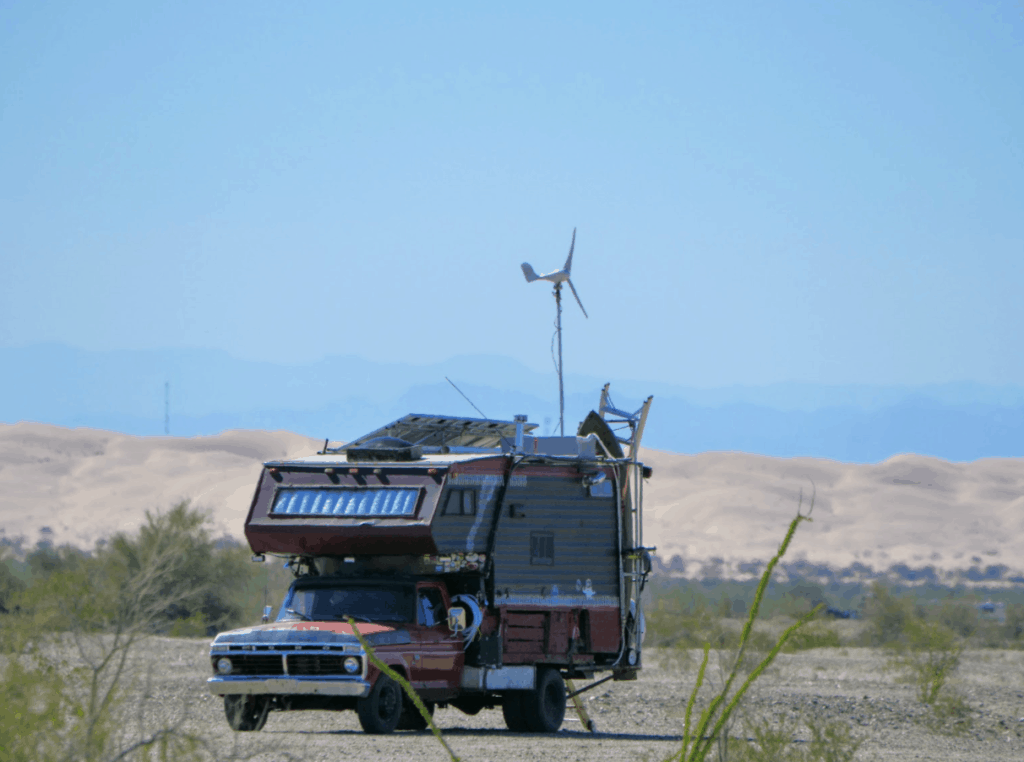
[(387, 449)]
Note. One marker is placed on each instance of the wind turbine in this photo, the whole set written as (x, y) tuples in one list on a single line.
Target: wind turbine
[(558, 277)]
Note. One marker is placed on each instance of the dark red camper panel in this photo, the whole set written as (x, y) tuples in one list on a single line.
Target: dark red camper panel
[(329, 511)]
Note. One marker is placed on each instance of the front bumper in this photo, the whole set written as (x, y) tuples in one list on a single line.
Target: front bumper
[(284, 686)]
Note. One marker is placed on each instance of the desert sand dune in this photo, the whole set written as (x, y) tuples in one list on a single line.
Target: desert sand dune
[(84, 484), (909, 509)]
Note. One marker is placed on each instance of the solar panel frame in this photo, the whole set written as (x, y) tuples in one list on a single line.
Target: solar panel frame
[(439, 430)]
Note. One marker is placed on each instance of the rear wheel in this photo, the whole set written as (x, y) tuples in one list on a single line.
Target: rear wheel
[(512, 709), (544, 706), (246, 713), (380, 712)]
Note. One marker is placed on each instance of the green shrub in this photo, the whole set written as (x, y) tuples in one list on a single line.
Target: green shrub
[(829, 742), (887, 616), (960, 616), (928, 657), (33, 709), (815, 635), (1013, 628), (75, 707), (10, 584), (170, 574)]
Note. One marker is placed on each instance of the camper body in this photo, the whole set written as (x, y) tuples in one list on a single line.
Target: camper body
[(484, 565)]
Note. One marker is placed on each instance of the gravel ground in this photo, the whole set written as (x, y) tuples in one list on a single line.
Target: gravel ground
[(635, 720)]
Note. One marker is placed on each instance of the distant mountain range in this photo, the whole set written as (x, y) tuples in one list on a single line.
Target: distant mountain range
[(344, 396)]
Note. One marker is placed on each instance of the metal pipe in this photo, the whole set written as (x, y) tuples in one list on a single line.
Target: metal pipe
[(558, 330), (592, 685)]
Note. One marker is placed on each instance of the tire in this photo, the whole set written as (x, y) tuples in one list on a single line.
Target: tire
[(246, 713), (544, 706), (512, 710), (380, 712), (411, 718)]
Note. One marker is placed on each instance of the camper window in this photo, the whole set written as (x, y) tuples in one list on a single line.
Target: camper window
[(542, 548), (461, 502)]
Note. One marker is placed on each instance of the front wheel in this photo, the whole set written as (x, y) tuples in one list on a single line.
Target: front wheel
[(246, 713), (411, 718), (380, 712)]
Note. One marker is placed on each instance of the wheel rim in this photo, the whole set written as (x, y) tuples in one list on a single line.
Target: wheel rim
[(390, 703)]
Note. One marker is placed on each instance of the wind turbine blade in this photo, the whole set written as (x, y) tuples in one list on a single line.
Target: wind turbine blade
[(568, 262), (577, 298), (531, 276)]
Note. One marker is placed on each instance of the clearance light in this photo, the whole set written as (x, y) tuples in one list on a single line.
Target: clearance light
[(431, 471), (353, 470)]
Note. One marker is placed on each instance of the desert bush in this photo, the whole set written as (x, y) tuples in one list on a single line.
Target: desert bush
[(10, 584), (960, 616), (67, 664), (887, 616), (815, 635), (830, 741), (33, 709), (202, 583), (928, 657), (45, 559), (1013, 627), (680, 618), (172, 562)]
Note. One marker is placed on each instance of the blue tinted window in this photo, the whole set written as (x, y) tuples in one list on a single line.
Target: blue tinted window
[(307, 501)]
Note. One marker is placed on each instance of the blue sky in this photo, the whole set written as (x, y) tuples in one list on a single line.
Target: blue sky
[(819, 192)]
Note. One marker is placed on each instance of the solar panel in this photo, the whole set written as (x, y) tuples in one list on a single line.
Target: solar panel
[(438, 430)]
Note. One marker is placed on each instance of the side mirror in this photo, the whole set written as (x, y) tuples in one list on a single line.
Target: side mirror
[(456, 619), (267, 611)]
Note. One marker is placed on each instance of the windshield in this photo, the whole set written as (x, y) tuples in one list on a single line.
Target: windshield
[(369, 603)]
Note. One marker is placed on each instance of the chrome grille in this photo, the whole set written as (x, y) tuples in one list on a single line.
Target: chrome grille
[(316, 664), (253, 664)]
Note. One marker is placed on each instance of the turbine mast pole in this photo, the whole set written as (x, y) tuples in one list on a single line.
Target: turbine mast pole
[(558, 328)]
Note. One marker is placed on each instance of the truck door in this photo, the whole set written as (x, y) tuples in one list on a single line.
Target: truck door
[(437, 663)]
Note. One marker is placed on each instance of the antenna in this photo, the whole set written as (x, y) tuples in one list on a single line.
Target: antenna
[(482, 415), (558, 278)]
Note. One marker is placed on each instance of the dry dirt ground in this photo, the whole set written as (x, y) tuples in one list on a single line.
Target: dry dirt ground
[(635, 720)]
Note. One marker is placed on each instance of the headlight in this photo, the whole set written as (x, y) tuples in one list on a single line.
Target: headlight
[(224, 666), (351, 665)]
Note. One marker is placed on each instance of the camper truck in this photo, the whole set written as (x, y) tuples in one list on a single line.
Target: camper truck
[(485, 564)]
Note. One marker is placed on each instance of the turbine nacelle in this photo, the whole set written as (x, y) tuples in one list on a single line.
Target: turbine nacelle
[(558, 277)]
